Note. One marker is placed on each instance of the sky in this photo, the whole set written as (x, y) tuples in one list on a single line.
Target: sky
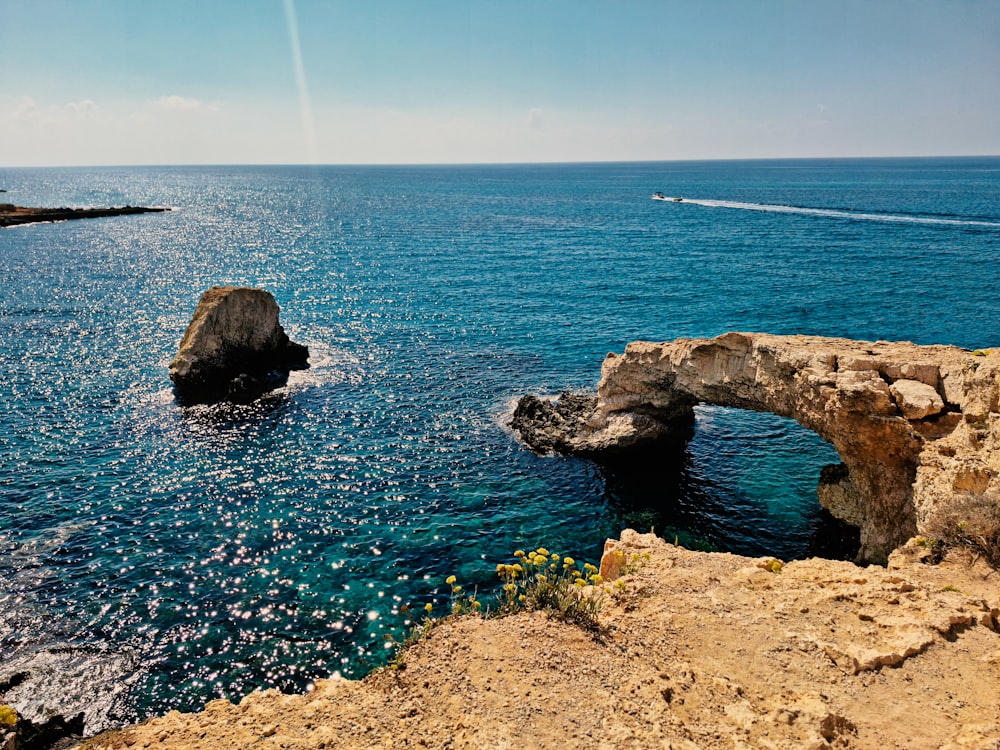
[(129, 82)]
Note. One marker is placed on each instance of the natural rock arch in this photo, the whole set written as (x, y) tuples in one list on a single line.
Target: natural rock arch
[(914, 425)]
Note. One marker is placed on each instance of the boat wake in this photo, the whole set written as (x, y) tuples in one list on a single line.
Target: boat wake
[(835, 213)]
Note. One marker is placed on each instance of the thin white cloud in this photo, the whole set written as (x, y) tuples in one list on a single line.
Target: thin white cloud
[(175, 103), (27, 111)]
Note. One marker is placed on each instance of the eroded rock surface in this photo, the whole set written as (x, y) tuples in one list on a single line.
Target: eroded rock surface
[(914, 425), (234, 348), (697, 650)]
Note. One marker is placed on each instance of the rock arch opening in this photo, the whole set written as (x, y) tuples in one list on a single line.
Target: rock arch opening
[(745, 482)]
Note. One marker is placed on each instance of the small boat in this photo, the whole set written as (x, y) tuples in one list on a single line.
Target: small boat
[(658, 196)]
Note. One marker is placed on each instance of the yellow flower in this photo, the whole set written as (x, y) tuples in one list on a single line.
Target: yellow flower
[(516, 568), (542, 551), (428, 607), (450, 580), (567, 561), (477, 605), (519, 553)]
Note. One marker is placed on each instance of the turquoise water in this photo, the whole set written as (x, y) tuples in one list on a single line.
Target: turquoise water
[(186, 554)]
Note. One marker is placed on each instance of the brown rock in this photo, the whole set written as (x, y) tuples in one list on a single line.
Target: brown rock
[(234, 348), (11, 215), (915, 399)]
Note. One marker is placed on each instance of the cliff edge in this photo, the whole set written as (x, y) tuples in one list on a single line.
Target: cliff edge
[(696, 651)]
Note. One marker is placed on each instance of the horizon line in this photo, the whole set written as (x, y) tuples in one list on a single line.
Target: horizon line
[(500, 163)]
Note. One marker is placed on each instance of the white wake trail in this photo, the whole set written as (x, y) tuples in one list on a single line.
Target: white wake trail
[(833, 213)]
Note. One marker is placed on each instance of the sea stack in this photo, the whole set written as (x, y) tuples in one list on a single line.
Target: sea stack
[(234, 348)]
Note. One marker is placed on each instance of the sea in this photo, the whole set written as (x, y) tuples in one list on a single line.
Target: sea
[(154, 556)]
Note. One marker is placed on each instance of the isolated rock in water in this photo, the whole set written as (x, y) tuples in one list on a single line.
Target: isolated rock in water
[(917, 427), (234, 348)]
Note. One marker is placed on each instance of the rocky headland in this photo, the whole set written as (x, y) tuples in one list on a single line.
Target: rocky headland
[(917, 427), (11, 215), (234, 348)]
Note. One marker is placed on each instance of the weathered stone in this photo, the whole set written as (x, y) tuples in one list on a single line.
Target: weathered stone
[(550, 425), (905, 447), (234, 348), (915, 399), (839, 495)]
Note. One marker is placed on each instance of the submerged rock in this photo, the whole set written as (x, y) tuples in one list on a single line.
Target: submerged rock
[(234, 349), (917, 427)]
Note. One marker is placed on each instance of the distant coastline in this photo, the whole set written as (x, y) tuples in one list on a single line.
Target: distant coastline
[(11, 215)]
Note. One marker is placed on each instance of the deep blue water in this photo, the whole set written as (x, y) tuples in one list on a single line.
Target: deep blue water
[(186, 554)]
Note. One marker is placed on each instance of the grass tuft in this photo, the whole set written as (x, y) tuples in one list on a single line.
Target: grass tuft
[(972, 524)]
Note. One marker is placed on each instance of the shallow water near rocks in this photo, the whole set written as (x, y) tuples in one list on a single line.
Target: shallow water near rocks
[(193, 553)]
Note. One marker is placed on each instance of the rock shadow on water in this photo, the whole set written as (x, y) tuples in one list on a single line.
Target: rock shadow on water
[(661, 487), (270, 410)]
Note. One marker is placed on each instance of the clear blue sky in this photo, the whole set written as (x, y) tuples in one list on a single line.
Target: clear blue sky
[(428, 81)]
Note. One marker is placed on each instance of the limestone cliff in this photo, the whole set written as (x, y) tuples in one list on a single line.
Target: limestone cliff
[(915, 426), (234, 348)]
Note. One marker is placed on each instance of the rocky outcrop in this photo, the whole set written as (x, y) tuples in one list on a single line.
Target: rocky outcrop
[(914, 425), (696, 651), (234, 348), (19, 733)]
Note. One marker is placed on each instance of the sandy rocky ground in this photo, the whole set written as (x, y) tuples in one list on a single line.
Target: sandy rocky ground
[(697, 651)]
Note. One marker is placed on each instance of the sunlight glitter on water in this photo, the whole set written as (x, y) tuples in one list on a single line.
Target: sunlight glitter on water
[(219, 549)]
